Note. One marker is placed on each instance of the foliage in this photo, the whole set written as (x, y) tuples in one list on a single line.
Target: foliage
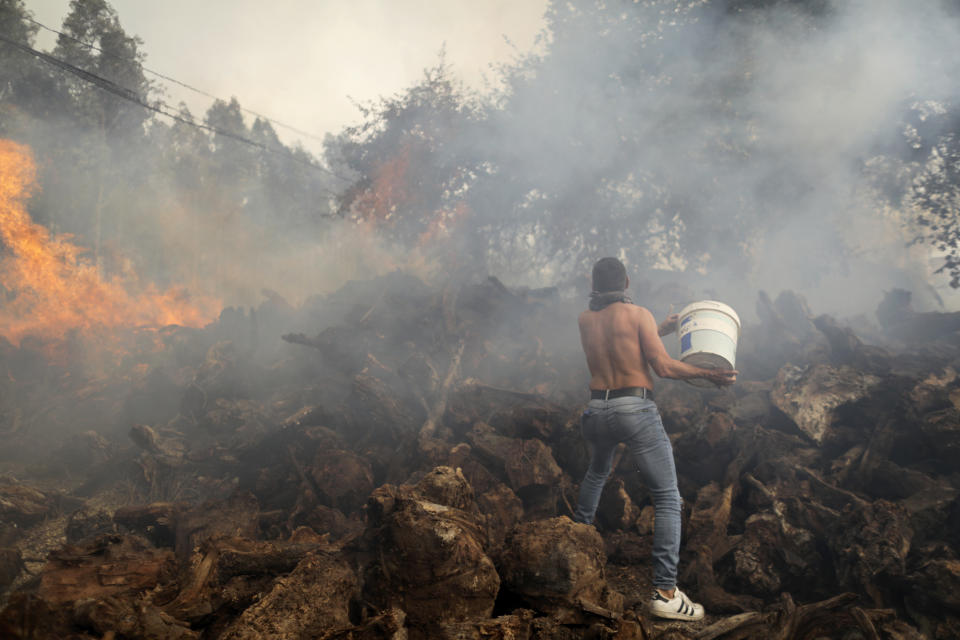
[(580, 157), (22, 80), (94, 41), (414, 157), (936, 193), (658, 131)]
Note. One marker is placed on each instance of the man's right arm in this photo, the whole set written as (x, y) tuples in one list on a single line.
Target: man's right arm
[(665, 366)]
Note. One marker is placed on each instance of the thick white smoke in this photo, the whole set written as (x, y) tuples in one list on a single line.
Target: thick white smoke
[(768, 125)]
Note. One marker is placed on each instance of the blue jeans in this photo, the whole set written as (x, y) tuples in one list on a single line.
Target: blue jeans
[(635, 421)]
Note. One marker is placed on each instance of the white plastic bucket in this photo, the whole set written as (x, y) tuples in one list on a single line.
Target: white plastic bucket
[(708, 332)]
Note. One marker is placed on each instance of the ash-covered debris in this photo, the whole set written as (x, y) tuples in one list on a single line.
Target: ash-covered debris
[(402, 464)]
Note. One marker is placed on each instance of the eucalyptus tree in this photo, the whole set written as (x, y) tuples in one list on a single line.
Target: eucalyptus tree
[(99, 139)]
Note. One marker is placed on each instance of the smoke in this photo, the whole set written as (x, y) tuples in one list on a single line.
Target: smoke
[(743, 150), (826, 104), (730, 150)]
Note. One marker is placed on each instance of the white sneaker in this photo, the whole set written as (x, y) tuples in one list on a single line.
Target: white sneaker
[(680, 607)]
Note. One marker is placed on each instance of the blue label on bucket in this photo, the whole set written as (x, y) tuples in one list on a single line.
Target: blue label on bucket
[(685, 342)]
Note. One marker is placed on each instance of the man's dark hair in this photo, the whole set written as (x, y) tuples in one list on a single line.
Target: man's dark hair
[(609, 274)]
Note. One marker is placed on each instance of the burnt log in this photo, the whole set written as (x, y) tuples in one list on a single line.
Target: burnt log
[(706, 450), (88, 523), (236, 517), (847, 348), (481, 478), (377, 413), (616, 509), (902, 322), (527, 466), (511, 412), (326, 521), (343, 479), (83, 452), (170, 448), (449, 487), (157, 521), (502, 510), (11, 564), (753, 405), (30, 617), (111, 565), (435, 413), (428, 559), (934, 579), (115, 616), (558, 568), (23, 506), (774, 555), (313, 599), (941, 429), (831, 618), (869, 544), (389, 625), (707, 543), (240, 557), (810, 396), (230, 574), (342, 348), (786, 333), (516, 626)]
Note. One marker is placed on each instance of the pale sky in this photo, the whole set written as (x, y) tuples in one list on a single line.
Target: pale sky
[(301, 62)]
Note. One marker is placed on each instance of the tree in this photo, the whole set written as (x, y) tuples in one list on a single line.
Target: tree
[(27, 88), (98, 133), (415, 156), (13, 62), (613, 139), (94, 41), (677, 134), (936, 192), (297, 194)]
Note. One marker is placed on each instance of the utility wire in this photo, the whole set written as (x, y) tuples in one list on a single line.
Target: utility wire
[(134, 63), (132, 96)]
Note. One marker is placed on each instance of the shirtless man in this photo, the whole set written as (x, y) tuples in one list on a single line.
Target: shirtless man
[(622, 343)]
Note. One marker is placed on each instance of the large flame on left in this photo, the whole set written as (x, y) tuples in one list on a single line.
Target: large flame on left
[(48, 290)]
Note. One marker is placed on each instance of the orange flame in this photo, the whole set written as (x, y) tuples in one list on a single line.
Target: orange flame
[(443, 222), (392, 187), (388, 189), (48, 290)]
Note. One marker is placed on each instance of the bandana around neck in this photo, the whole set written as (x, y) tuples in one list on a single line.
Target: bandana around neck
[(602, 299)]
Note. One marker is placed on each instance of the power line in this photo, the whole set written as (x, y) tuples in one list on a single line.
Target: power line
[(132, 96), (134, 63)]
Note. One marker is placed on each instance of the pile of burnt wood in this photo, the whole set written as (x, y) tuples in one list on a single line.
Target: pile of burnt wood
[(408, 472)]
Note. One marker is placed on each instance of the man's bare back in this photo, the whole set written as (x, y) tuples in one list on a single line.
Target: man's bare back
[(622, 344)]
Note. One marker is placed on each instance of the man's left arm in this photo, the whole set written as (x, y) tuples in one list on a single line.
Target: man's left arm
[(668, 326), (665, 366)]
